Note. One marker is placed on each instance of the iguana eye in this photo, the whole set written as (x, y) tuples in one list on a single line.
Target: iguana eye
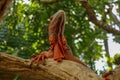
[(51, 18)]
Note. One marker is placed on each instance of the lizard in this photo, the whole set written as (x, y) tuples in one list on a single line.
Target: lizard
[(59, 49)]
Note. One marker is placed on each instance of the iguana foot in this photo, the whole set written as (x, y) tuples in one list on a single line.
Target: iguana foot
[(37, 58)]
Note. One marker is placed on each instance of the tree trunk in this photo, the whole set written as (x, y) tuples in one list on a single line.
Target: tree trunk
[(107, 54), (12, 67)]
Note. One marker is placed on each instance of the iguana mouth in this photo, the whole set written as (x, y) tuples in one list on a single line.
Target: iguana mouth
[(60, 15)]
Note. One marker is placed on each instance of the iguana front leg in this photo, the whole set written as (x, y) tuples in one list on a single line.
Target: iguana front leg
[(59, 48)]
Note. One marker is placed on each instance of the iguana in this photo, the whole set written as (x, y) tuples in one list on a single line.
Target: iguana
[(59, 48)]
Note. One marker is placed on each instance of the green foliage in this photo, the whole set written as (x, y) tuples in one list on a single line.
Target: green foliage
[(23, 30), (117, 59)]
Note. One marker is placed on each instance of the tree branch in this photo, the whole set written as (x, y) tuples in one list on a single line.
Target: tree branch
[(115, 19), (92, 18), (12, 67), (48, 1), (4, 4)]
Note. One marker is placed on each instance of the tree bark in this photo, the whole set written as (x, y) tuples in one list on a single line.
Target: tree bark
[(12, 67), (4, 4)]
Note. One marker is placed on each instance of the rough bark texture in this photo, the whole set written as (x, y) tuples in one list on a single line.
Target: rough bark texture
[(13, 67)]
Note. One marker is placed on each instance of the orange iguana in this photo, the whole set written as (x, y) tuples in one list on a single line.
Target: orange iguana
[(59, 48)]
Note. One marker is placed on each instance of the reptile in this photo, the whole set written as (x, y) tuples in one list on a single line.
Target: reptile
[(59, 49)]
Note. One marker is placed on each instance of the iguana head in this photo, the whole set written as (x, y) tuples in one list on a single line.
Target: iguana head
[(57, 22)]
